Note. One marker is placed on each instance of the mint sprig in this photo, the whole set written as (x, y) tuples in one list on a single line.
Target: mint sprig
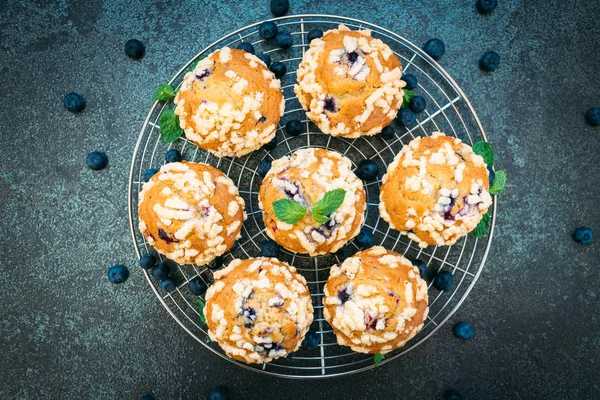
[(200, 306), (408, 95), (163, 93), (499, 182), (330, 202), (482, 227), (170, 130), (377, 359), (288, 211), (484, 149)]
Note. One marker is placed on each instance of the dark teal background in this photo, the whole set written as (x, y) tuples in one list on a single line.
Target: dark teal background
[(66, 333)]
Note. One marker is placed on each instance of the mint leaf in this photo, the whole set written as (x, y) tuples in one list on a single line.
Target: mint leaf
[(194, 65), (377, 359), (170, 130), (288, 211), (163, 93), (207, 340), (330, 202), (485, 150), (408, 94), (499, 182), (200, 305), (321, 219), (482, 227)]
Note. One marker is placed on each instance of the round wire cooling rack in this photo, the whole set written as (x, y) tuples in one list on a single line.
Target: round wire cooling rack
[(448, 110)]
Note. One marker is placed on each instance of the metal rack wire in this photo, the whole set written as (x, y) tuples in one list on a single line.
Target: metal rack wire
[(448, 110)]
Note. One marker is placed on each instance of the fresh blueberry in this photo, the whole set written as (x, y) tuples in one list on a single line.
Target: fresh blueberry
[(264, 57), (411, 81), (491, 174), (417, 104), (314, 34), (269, 249), (435, 48), (168, 285), (96, 160), (118, 273), (149, 173), (444, 281), (330, 104), (452, 394), (74, 102), (463, 330), (490, 61), (173, 155), (147, 261), (311, 340), (367, 170), (217, 263), (247, 47), (271, 145), (592, 116), (279, 69), (160, 271), (388, 133), (486, 6), (279, 7), (406, 117), (365, 238), (267, 30), (284, 39), (197, 286), (218, 393), (135, 49), (294, 127), (422, 265), (583, 235), (263, 167)]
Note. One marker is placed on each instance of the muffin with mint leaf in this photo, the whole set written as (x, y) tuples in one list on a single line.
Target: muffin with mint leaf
[(312, 202)]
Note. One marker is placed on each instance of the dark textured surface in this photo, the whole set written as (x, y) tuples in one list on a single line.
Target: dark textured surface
[(67, 333)]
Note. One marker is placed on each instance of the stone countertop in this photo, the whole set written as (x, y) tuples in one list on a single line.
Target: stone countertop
[(67, 333)]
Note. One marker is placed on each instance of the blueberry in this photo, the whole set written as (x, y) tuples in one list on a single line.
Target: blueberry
[(592, 116), (367, 170), (247, 47), (411, 81), (147, 261), (135, 49), (294, 127), (269, 249), (452, 394), (314, 34), (330, 105), (486, 6), (489, 61), (168, 285), (279, 69), (160, 271), (583, 235), (263, 167), (406, 117), (218, 393), (147, 397), (197, 286), (388, 133), (96, 160), (118, 273), (417, 104), (463, 330), (491, 174), (311, 340), (74, 102), (435, 48), (173, 155), (217, 263), (284, 39), (267, 30), (343, 295), (279, 7), (264, 57), (149, 173), (422, 265), (444, 281), (365, 238), (271, 145)]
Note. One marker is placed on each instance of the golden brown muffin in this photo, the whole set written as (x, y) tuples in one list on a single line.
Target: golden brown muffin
[(258, 309), (435, 191), (191, 213), (349, 83), (375, 301), (230, 104), (304, 177)]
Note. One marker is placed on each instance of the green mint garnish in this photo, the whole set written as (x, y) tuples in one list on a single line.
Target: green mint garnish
[(288, 211), (482, 227), (163, 93), (330, 202), (408, 94), (485, 150), (499, 182), (170, 130), (377, 359), (200, 306), (207, 339)]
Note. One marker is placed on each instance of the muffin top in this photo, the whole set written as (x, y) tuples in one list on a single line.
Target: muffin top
[(258, 309), (435, 191), (305, 177), (375, 301), (191, 213), (349, 83), (230, 104)]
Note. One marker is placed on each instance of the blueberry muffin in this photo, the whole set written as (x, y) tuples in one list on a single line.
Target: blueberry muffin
[(191, 213), (304, 177), (435, 191), (230, 103), (258, 309), (349, 83), (375, 301)]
